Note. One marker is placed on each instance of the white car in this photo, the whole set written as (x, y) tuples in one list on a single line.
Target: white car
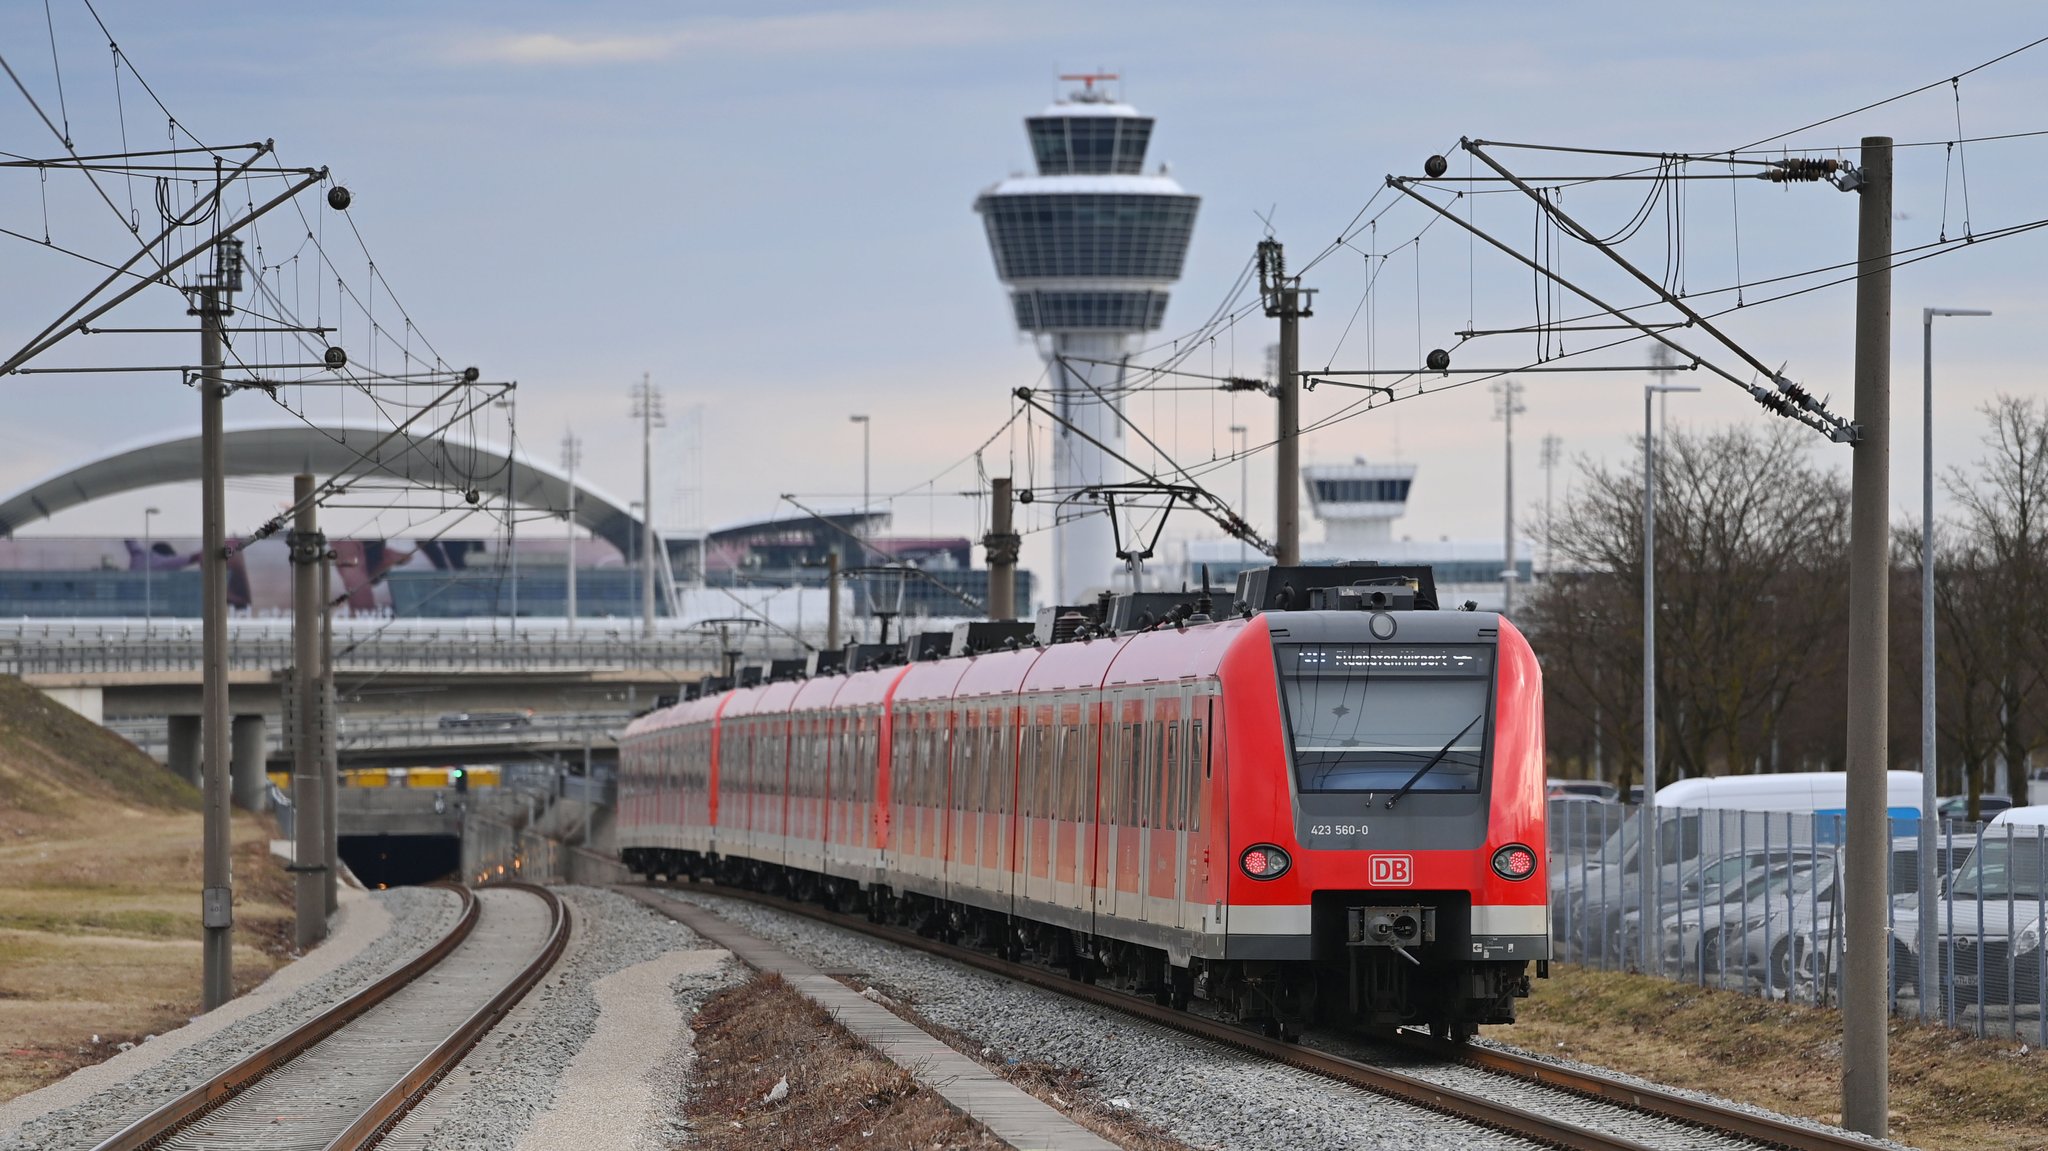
[(1992, 917)]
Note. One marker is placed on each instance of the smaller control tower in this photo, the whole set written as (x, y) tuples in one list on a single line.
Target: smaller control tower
[(1088, 248)]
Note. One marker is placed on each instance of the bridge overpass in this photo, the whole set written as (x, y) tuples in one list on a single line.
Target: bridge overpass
[(407, 741)]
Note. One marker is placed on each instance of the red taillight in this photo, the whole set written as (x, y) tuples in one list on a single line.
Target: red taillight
[(1514, 862), (1264, 862)]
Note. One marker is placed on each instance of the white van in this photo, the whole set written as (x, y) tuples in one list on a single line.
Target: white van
[(1811, 792), (1711, 818)]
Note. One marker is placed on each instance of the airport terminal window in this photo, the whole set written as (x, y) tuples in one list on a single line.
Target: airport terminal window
[(1369, 717)]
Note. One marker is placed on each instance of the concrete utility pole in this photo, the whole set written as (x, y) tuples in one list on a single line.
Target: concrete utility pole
[(1649, 858), (511, 405), (1284, 300), (1510, 405), (647, 409), (866, 428), (148, 569), (1865, 1058), (308, 550), (330, 750), (216, 905), (572, 454), (1930, 811), (1003, 544), (832, 600)]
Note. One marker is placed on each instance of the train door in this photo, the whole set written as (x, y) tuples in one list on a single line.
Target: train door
[(1162, 822), (1038, 792), (1123, 794), (998, 793)]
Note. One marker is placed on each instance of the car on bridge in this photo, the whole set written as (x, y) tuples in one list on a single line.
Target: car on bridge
[(487, 720)]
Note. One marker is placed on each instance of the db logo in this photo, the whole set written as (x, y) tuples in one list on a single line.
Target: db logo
[(1391, 870)]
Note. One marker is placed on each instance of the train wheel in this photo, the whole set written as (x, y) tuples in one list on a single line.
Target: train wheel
[(1183, 987), (1451, 1030)]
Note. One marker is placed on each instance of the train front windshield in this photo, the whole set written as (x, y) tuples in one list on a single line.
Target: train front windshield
[(1387, 717)]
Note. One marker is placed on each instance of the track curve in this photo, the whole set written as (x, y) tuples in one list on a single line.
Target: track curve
[(338, 1081)]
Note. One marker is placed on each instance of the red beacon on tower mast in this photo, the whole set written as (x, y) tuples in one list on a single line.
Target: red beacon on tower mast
[(1088, 80)]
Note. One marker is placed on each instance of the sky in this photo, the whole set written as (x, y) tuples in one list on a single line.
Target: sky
[(767, 208)]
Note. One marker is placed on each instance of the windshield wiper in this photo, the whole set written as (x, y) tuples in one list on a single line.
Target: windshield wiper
[(1433, 761)]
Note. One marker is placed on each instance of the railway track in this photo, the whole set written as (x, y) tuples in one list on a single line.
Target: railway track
[(340, 1080), (1529, 1098)]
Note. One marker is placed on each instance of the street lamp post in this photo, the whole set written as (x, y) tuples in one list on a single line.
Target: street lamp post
[(1651, 882), (865, 426), (1244, 486), (148, 569), (1929, 812)]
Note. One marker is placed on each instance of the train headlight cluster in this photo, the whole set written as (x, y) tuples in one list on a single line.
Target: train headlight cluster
[(1264, 861), (1514, 861)]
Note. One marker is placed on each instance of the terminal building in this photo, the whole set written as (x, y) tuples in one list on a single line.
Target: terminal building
[(1357, 504)]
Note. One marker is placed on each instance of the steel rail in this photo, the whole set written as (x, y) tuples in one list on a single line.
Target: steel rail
[(370, 1126), (1410, 1089), (160, 1124), (1658, 1101)]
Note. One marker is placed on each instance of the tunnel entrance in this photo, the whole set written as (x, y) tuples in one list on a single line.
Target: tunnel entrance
[(400, 860)]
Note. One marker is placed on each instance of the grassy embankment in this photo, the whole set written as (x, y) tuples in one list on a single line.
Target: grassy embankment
[(99, 893), (1949, 1090)]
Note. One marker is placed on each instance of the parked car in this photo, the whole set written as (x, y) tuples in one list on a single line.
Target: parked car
[(1992, 919), (1958, 806), (1792, 947), (1586, 789)]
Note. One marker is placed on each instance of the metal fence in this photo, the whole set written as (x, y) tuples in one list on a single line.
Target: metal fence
[(1747, 901)]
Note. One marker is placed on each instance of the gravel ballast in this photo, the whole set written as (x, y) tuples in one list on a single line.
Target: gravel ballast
[(1202, 1093), (497, 1096), (383, 929)]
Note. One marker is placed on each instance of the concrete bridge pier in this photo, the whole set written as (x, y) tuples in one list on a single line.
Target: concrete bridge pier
[(246, 765), (183, 755)]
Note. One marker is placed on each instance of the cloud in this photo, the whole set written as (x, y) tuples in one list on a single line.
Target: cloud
[(551, 48), (838, 32)]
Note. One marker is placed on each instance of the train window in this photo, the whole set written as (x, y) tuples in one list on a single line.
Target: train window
[(1132, 764), (1386, 717)]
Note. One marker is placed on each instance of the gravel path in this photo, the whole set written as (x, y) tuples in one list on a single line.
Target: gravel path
[(495, 1098), (376, 932), (1202, 1093)]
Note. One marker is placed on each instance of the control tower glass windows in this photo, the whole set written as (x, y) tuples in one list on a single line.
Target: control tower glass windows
[(1122, 235), (1362, 491), (1039, 311), (1089, 145)]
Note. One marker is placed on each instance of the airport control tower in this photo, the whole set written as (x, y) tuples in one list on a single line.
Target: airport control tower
[(1088, 249)]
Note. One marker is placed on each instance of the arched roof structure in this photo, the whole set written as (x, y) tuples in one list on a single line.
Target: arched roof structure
[(326, 450)]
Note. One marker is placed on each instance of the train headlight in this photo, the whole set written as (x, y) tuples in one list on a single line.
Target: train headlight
[(1264, 861), (1514, 862)]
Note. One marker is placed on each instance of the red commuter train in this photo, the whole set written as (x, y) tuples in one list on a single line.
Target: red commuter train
[(1327, 807)]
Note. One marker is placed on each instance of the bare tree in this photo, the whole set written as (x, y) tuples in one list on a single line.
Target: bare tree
[(1751, 564), (1995, 603)]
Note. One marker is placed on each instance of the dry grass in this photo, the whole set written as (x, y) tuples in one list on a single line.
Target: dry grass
[(841, 1093), (1949, 1090), (99, 894)]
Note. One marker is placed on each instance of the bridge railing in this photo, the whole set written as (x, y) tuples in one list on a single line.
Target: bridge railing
[(59, 647), (400, 732)]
